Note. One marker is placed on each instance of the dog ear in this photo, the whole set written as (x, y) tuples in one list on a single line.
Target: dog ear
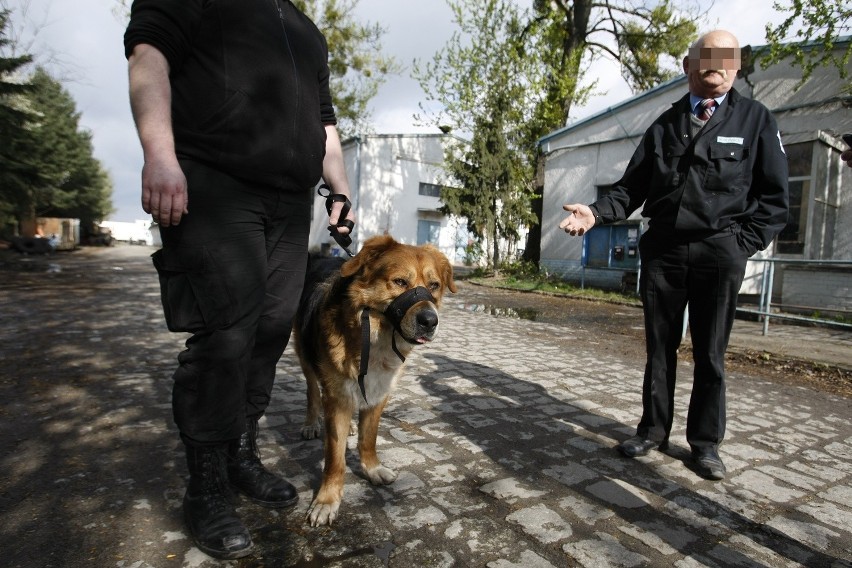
[(447, 274), (373, 248)]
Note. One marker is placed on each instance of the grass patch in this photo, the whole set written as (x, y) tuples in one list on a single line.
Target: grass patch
[(526, 278)]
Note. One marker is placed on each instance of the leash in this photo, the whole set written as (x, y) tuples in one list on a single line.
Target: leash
[(397, 308), (394, 313), (343, 239)]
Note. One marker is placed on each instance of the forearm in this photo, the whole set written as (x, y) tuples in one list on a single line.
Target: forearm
[(150, 102), (333, 166)]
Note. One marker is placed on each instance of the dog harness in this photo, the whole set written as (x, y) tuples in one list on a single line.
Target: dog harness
[(394, 313), (343, 239)]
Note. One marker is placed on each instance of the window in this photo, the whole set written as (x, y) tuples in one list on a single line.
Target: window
[(792, 237), (428, 232), (430, 189)]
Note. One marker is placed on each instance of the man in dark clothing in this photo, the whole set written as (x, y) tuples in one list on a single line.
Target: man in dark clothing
[(231, 100), (712, 174)]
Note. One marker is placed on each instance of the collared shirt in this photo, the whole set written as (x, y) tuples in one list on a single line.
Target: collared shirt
[(695, 100)]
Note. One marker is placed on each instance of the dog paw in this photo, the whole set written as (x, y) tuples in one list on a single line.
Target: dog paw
[(353, 428), (311, 430), (322, 513), (380, 475)]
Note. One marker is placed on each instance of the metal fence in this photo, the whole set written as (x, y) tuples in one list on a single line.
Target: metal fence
[(766, 305)]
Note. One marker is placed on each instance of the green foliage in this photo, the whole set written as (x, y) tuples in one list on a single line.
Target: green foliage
[(472, 253), (477, 82), (358, 66), (643, 42), (647, 40), (71, 182), (818, 24), (526, 277), (17, 171), (507, 78)]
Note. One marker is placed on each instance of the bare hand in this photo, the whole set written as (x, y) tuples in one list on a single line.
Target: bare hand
[(164, 193), (581, 219)]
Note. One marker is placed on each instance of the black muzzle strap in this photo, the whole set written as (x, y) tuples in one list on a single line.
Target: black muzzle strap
[(402, 303), (394, 312), (365, 351), (344, 240)]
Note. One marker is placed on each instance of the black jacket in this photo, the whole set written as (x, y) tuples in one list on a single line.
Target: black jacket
[(733, 174), (249, 80)]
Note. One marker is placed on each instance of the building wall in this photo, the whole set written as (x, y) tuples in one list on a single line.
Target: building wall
[(384, 173), (818, 288)]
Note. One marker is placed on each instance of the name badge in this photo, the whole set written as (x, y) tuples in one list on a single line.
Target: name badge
[(729, 140)]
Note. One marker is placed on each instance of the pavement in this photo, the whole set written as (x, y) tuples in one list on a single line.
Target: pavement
[(502, 431)]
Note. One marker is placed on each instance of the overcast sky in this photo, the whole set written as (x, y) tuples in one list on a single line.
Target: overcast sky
[(83, 39)]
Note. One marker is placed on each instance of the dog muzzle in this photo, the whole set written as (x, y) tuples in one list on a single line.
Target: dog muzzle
[(404, 302), (395, 312)]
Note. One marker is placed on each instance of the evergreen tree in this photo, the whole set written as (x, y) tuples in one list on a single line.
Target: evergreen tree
[(478, 83), (17, 172), (73, 183)]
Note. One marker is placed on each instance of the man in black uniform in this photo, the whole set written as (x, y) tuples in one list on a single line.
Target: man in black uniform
[(231, 100), (712, 174)]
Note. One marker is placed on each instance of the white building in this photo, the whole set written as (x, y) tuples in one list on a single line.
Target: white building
[(141, 231), (395, 182)]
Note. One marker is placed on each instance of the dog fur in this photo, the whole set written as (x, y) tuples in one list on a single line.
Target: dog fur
[(327, 338)]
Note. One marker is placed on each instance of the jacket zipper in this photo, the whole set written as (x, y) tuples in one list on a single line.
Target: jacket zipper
[(296, 79)]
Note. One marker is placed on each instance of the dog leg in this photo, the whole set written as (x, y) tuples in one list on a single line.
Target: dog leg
[(368, 429), (312, 425), (338, 413)]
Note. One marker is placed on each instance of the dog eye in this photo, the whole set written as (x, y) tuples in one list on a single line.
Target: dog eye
[(402, 282), (434, 286)]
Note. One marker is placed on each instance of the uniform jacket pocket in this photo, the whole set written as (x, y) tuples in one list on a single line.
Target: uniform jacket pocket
[(726, 167)]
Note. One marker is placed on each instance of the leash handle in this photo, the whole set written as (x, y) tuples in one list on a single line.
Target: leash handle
[(343, 239)]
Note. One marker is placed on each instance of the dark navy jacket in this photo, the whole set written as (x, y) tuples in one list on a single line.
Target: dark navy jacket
[(731, 176), (249, 80)]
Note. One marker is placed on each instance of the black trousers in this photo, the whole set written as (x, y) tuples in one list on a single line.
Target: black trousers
[(706, 274), (231, 273)]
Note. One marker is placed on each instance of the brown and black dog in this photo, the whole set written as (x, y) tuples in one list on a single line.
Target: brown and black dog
[(391, 290)]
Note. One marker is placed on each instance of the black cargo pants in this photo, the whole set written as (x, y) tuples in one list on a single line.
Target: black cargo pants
[(706, 274), (231, 274)]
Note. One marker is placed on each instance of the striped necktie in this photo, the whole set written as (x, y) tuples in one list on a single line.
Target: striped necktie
[(705, 109)]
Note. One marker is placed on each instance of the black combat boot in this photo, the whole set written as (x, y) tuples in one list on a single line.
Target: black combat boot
[(247, 474), (207, 509)]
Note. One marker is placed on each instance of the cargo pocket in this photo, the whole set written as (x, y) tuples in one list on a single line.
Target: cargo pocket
[(193, 294)]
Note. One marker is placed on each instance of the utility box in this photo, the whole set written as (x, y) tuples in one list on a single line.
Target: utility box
[(613, 246)]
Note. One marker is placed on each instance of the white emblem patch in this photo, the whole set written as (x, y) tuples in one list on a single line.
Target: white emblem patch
[(781, 143)]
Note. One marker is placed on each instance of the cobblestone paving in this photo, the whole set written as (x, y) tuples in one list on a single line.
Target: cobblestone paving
[(502, 432)]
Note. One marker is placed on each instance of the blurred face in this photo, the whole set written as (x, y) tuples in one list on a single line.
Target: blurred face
[(712, 64)]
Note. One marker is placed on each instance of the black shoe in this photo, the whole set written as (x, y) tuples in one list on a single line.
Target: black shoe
[(207, 509), (247, 474), (639, 446), (708, 464)]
